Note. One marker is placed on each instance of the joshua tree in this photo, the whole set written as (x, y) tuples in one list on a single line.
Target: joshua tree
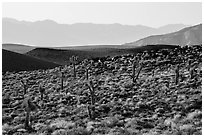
[(91, 111), (192, 70), (62, 77), (177, 74), (92, 92), (25, 86), (92, 62), (138, 73), (189, 64), (91, 108), (87, 67), (74, 60), (62, 80), (135, 63), (28, 107), (133, 71), (87, 73), (42, 91)]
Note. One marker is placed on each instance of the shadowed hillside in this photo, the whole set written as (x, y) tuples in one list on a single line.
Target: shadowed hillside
[(12, 61), (62, 56)]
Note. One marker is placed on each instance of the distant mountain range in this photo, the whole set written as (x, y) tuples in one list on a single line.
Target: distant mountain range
[(187, 36), (49, 34), (52, 34)]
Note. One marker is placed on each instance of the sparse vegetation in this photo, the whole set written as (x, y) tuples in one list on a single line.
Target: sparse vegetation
[(74, 60), (103, 100)]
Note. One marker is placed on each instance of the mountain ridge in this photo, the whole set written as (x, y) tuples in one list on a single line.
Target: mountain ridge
[(187, 36), (51, 33)]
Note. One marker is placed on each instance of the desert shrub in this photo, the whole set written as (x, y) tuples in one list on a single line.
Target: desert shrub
[(195, 114), (60, 123), (6, 129), (109, 121)]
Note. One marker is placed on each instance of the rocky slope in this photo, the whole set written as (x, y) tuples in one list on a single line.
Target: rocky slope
[(152, 105)]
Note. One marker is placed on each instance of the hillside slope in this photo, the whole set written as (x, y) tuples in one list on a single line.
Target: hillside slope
[(12, 61), (153, 105), (62, 56), (187, 36), (19, 48)]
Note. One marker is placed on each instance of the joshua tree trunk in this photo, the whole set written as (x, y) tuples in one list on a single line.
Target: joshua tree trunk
[(27, 120), (92, 94), (177, 75), (189, 65), (24, 90), (133, 72), (87, 73), (74, 70), (91, 112), (41, 96), (74, 60), (62, 81), (138, 72), (91, 108), (191, 73), (92, 98)]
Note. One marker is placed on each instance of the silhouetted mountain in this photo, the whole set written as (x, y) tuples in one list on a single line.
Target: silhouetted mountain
[(12, 61), (187, 36), (50, 33)]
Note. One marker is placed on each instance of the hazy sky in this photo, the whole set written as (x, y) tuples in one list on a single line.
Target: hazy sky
[(149, 14)]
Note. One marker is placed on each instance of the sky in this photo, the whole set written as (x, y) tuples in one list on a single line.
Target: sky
[(148, 14)]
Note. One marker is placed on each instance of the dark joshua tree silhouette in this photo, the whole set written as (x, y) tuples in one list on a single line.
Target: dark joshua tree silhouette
[(28, 106), (74, 60)]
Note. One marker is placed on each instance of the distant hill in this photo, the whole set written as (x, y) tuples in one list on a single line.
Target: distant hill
[(187, 36), (12, 61), (61, 56), (49, 33), (18, 48)]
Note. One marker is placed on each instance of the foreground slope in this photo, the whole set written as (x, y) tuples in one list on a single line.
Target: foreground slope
[(12, 61), (154, 105), (187, 36)]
